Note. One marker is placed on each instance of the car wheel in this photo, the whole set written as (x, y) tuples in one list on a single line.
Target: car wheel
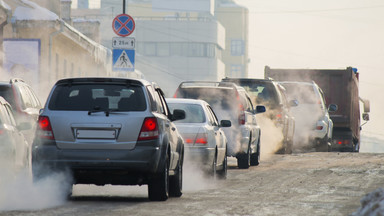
[(288, 147), (158, 186), (176, 181), (214, 167), (222, 174), (243, 160), (255, 157)]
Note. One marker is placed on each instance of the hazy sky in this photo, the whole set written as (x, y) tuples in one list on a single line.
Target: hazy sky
[(322, 34)]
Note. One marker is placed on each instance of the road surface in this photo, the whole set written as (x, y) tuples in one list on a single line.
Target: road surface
[(317, 183)]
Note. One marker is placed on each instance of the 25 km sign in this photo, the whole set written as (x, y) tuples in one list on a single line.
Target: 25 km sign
[(123, 25)]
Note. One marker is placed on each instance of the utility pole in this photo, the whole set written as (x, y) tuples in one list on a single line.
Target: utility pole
[(123, 6)]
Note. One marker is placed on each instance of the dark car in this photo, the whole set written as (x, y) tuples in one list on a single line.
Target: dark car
[(14, 149), (24, 102), (232, 102), (110, 131), (272, 95)]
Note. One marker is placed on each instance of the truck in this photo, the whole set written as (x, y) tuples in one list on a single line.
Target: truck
[(340, 87)]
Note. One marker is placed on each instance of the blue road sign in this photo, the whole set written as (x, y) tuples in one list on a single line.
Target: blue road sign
[(123, 25), (123, 60)]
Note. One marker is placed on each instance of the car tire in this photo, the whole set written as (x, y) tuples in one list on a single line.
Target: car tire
[(158, 186), (222, 174), (255, 157), (244, 159), (176, 181)]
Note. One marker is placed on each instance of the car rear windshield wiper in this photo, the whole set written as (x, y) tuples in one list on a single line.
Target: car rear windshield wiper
[(107, 112)]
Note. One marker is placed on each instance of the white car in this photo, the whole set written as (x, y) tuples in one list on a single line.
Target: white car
[(205, 141), (313, 126)]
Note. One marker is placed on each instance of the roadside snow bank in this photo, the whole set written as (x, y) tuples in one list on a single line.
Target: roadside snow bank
[(371, 204)]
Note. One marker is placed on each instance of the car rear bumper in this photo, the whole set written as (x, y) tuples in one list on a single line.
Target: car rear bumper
[(99, 166), (200, 156), (238, 140)]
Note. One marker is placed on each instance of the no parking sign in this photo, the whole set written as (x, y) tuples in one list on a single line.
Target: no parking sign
[(123, 25)]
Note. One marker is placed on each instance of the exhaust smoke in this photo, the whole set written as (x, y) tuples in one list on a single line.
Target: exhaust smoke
[(19, 192)]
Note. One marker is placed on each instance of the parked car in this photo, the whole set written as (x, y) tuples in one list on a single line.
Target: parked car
[(25, 103), (313, 125), (15, 152), (205, 141), (230, 101), (272, 95), (110, 131)]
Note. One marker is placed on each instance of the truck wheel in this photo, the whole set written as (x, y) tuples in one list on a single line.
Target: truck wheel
[(176, 181), (158, 186)]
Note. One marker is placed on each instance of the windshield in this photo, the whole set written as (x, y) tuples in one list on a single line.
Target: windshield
[(88, 97)]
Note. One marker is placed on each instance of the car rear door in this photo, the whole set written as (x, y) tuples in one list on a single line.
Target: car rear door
[(97, 116)]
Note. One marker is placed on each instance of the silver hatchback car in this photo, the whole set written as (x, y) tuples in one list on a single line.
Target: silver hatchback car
[(110, 131)]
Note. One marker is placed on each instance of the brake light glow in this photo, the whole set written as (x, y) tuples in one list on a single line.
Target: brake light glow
[(45, 128), (2, 131), (149, 129), (201, 138), (241, 115), (319, 127), (342, 142)]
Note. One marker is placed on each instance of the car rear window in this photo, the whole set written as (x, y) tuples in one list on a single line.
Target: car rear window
[(224, 98), (194, 113), (87, 97), (305, 94), (7, 94), (262, 93)]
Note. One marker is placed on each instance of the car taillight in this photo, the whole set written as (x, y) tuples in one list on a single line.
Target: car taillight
[(319, 127), (342, 142), (201, 139), (175, 95), (149, 130), (2, 131), (45, 129), (241, 115)]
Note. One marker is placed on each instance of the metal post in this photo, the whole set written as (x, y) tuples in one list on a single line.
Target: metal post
[(123, 6)]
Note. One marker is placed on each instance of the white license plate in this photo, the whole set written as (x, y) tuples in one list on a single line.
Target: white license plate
[(96, 134)]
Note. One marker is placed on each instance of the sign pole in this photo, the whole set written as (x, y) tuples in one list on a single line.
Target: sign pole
[(123, 6)]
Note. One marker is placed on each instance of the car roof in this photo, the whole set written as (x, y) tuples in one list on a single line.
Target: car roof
[(185, 101), (103, 79), (209, 84), (298, 83), (11, 81)]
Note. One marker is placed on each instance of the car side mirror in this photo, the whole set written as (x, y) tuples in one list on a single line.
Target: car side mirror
[(260, 109), (225, 123), (293, 103), (366, 116), (178, 114), (332, 108)]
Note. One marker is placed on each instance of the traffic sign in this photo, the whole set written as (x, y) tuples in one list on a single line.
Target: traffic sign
[(123, 42), (123, 25), (123, 60)]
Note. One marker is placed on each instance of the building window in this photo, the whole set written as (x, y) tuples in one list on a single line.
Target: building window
[(163, 49), (149, 49), (236, 70), (237, 47)]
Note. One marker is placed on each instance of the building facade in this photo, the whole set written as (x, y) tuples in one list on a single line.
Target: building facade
[(41, 47)]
